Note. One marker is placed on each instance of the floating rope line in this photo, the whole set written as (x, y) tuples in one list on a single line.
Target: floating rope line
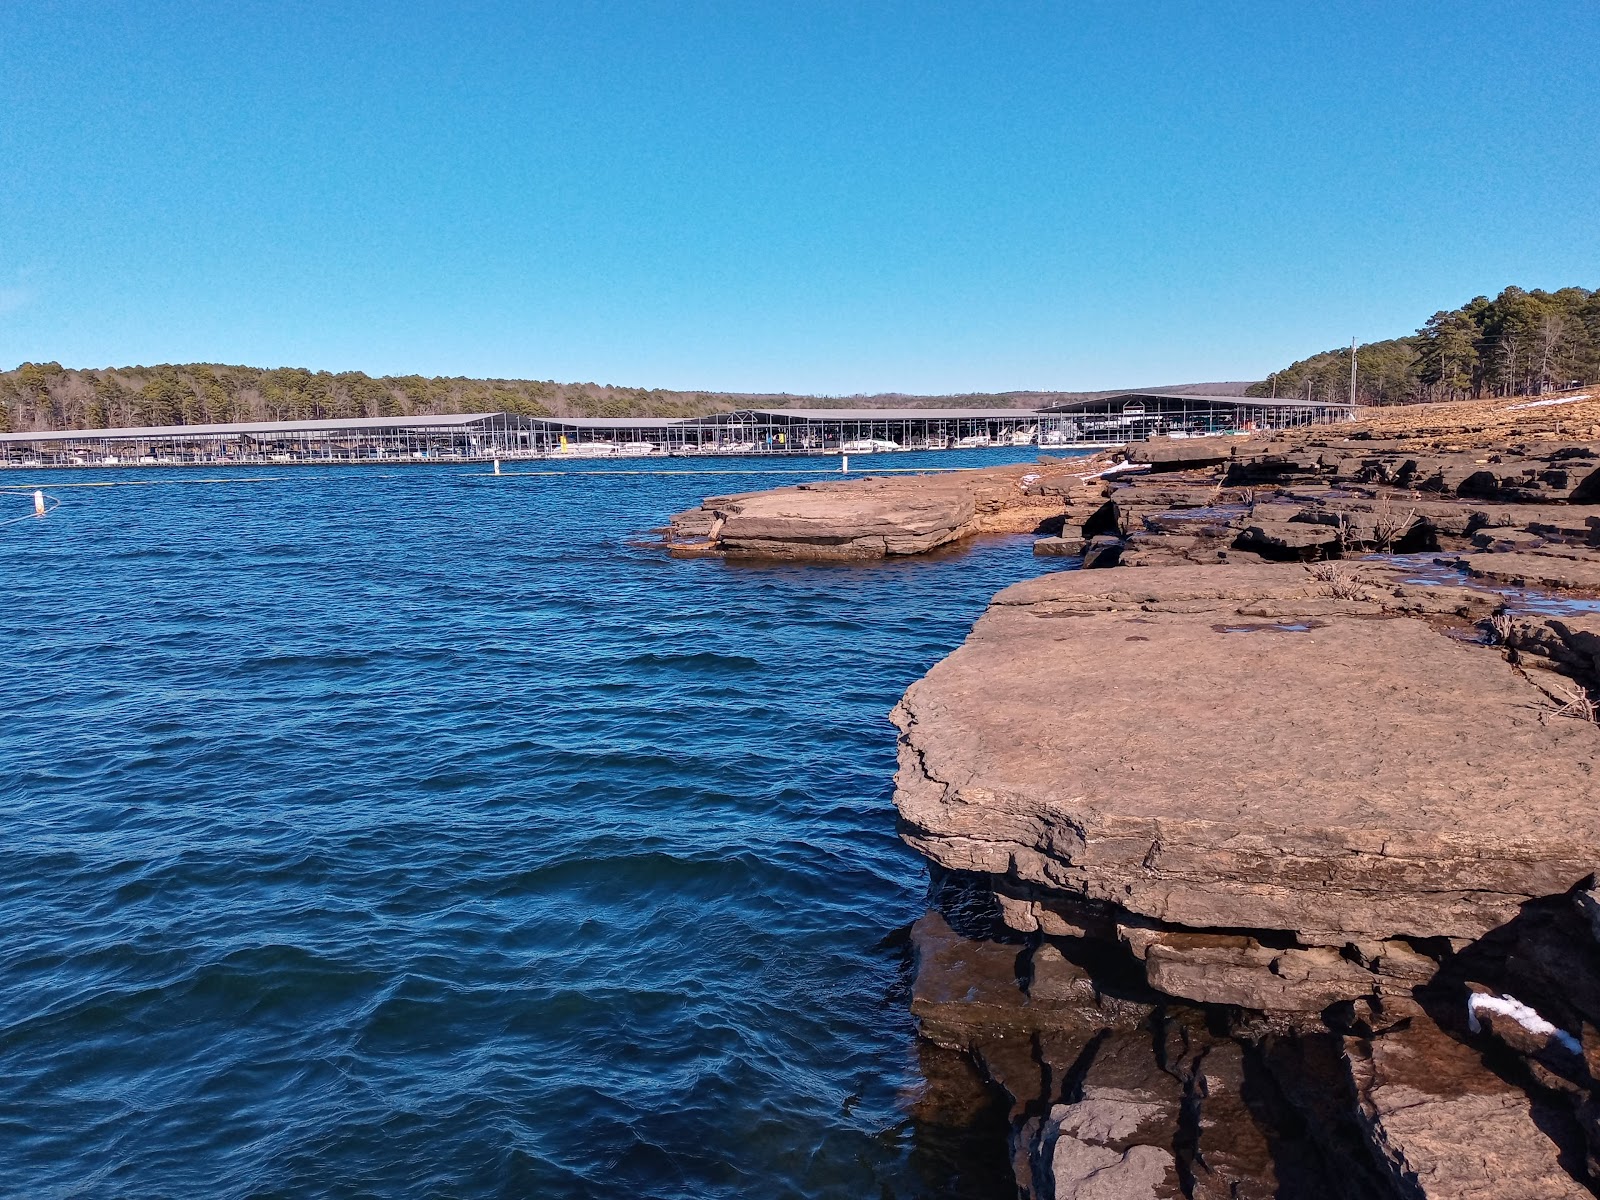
[(43, 506)]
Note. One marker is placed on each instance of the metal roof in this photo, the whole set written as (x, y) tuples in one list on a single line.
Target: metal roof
[(767, 416), (606, 422), (1192, 398), (451, 420), (797, 415)]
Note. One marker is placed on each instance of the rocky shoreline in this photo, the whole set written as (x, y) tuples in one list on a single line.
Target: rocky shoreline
[(1264, 864)]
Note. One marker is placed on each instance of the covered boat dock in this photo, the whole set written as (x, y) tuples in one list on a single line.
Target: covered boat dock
[(1137, 416), (1102, 421)]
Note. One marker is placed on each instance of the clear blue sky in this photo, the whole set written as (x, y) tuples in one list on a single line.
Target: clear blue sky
[(829, 197)]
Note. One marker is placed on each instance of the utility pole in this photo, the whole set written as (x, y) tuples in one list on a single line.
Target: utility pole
[(1352, 376)]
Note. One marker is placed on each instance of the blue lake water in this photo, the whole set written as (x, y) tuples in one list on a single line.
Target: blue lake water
[(412, 832)]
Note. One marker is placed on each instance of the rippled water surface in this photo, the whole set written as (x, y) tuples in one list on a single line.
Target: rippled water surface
[(413, 832)]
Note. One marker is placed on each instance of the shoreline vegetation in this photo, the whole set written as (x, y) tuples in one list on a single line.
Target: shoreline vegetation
[(1263, 863), (1521, 342), (44, 397)]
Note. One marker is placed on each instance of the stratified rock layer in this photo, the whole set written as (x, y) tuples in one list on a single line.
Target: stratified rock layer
[(1236, 748), (1446, 1127), (872, 517)]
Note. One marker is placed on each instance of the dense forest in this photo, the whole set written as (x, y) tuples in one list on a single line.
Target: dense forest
[(1519, 343), (38, 396), (49, 396)]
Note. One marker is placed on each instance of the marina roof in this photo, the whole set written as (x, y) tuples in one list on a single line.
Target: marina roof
[(1191, 398), (245, 428), (607, 422), (759, 416), (797, 415)]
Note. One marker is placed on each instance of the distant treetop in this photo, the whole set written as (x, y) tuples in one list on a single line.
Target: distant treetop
[(1519, 343)]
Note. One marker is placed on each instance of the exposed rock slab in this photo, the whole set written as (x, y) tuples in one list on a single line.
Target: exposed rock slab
[(1114, 1140), (1566, 571), (871, 517), (1177, 453), (1445, 1128), (1232, 747), (832, 522)]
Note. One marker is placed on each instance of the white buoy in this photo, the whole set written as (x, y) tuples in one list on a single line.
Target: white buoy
[(497, 466), (844, 464), (38, 503)]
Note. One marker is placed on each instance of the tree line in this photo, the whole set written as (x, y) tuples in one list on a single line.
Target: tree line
[(39, 396), (1519, 343), (48, 396)]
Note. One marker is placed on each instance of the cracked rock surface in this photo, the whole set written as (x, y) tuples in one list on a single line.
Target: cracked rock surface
[(1232, 748)]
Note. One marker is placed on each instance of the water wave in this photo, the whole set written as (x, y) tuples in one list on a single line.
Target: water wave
[(420, 835)]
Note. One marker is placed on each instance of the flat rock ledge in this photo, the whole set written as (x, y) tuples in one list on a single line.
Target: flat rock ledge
[(872, 517), (1251, 838), (1235, 747)]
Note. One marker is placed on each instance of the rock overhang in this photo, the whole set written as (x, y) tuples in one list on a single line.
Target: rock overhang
[(1351, 775)]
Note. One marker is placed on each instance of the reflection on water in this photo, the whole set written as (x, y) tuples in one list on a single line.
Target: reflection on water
[(1430, 570)]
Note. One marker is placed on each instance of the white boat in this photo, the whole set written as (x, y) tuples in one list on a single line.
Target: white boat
[(589, 449), (870, 446), (976, 439), (635, 449), (1024, 437)]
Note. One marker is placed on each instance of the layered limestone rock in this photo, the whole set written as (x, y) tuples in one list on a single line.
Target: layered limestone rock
[(1237, 747), (875, 517), (1290, 820), (1444, 1126), (1113, 1090)]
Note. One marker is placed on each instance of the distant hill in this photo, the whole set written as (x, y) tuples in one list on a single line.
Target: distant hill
[(1519, 343), (39, 396)]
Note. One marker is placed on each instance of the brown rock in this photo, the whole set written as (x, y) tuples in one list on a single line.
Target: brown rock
[(1232, 1158), (1165, 454), (1445, 1128), (1572, 569), (838, 523), (1289, 539), (1217, 970), (1114, 1140), (1571, 644), (873, 517), (1059, 547), (1353, 780), (1053, 979), (962, 985), (1103, 550)]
